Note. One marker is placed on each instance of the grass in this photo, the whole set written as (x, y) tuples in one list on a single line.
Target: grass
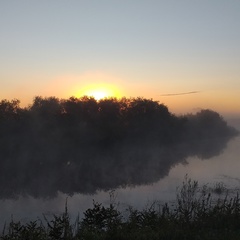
[(196, 214)]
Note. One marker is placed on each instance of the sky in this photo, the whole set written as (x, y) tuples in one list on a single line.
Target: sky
[(185, 54)]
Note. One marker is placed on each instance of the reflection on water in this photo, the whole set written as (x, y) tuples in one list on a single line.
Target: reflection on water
[(222, 168), (128, 165)]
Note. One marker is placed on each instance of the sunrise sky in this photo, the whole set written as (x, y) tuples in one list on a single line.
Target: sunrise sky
[(184, 53)]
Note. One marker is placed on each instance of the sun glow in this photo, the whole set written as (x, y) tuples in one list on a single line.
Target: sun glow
[(99, 91), (92, 84)]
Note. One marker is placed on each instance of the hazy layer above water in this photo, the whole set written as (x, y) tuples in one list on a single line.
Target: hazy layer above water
[(82, 146)]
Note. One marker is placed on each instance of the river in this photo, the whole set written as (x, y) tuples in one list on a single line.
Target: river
[(222, 167)]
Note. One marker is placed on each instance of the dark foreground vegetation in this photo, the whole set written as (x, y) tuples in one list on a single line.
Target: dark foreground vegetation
[(82, 145), (196, 214)]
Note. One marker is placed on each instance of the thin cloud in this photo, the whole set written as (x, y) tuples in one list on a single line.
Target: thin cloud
[(178, 94)]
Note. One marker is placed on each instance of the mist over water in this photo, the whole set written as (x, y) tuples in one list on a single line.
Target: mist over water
[(74, 146), (60, 149)]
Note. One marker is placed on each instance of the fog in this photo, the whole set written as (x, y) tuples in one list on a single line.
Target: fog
[(83, 145)]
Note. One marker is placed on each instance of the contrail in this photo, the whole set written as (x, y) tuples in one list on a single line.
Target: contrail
[(177, 94)]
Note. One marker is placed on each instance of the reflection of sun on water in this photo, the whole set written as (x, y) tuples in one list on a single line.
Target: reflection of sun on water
[(99, 91)]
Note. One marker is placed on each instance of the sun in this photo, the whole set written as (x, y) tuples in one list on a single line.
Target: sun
[(98, 94), (99, 91)]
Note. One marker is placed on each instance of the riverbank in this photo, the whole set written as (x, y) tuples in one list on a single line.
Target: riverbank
[(196, 214)]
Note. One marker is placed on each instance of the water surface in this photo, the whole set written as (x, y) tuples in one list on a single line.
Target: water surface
[(220, 164)]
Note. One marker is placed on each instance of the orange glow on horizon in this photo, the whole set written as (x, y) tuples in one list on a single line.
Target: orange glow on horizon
[(105, 85)]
